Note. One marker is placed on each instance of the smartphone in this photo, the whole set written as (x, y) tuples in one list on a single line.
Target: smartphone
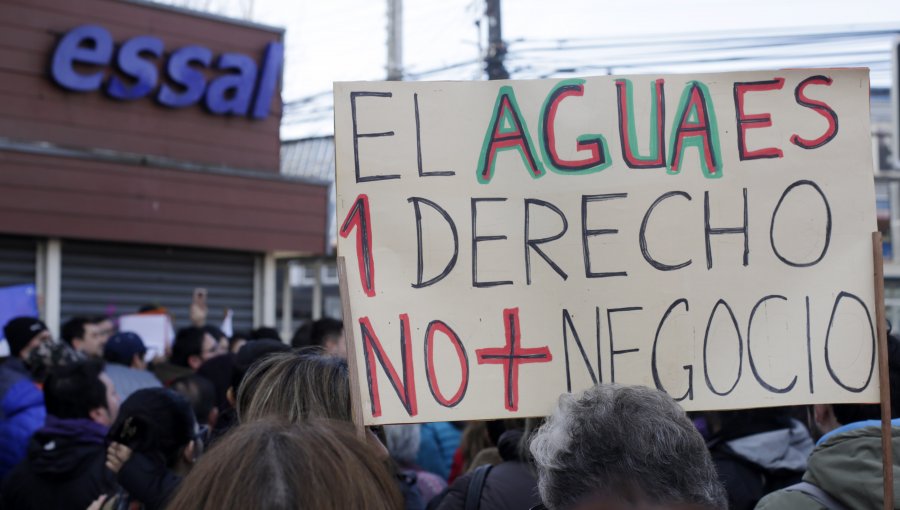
[(132, 431)]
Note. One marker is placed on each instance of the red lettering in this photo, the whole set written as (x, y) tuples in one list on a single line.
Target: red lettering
[(746, 121), (511, 356), (627, 128), (405, 389), (696, 127), (593, 145), (462, 357), (819, 107), (358, 217)]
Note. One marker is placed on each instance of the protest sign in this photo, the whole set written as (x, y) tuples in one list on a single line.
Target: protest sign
[(155, 329), (708, 235), (16, 301)]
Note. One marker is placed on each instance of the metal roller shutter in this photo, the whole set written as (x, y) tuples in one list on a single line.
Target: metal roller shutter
[(18, 260), (116, 279)]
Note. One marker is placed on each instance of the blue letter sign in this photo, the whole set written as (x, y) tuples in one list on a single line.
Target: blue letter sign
[(241, 88)]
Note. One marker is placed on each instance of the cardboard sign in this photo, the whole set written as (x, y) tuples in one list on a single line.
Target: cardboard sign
[(708, 235), (155, 329)]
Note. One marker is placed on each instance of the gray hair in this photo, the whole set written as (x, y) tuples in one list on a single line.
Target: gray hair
[(403, 443), (620, 442)]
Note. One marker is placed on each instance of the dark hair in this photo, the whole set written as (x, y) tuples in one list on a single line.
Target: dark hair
[(324, 329), (199, 393), (156, 422), (214, 332), (73, 328), (301, 337), (265, 333), (249, 354), (850, 413), (73, 390), (188, 342), (278, 465), (220, 372)]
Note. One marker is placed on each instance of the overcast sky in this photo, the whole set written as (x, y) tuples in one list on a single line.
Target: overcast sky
[(342, 40)]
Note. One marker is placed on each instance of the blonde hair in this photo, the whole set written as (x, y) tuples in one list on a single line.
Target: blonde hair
[(294, 386)]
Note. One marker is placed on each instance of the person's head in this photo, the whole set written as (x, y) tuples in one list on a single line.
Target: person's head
[(159, 424), (623, 445), (200, 393), (403, 442), (24, 334), (301, 337), (192, 347), (247, 356), (265, 333), (236, 342), (106, 327), (85, 335), (222, 342), (220, 372), (284, 466), (329, 335), (81, 390), (49, 356), (295, 386), (126, 348), (828, 417)]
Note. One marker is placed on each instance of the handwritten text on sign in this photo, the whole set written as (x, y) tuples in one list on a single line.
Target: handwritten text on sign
[(708, 235)]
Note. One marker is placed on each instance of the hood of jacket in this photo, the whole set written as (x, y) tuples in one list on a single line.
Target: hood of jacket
[(63, 446), (848, 466), (782, 449)]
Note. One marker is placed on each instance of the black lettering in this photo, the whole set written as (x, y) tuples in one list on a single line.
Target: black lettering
[(831, 371), (357, 135), (612, 349), (587, 233), (568, 325), (710, 231), (415, 201), (737, 330), (643, 234), (532, 244), (827, 225), (753, 368), (442, 173), (477, 239), (689, 394)]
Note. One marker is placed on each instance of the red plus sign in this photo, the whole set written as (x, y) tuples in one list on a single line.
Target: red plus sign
[(511, 356)]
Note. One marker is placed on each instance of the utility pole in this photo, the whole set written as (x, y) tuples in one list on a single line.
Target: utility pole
[(496, 50), (395, 40)]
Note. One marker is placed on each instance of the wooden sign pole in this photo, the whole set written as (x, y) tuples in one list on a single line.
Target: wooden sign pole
[(356, 406), (883, 373)]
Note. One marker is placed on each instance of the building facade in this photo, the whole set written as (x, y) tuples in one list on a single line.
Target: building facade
[(140, 159)]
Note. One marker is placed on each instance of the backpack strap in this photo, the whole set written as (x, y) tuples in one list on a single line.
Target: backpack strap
[(476, 484), (817, 494)]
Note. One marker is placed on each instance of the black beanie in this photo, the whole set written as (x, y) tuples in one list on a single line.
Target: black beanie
[(20, 331)]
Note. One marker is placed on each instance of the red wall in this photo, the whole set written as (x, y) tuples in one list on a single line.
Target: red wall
[(52, 195)]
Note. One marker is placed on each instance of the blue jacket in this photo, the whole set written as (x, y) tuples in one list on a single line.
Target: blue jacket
[(439, 441), (22, 412)]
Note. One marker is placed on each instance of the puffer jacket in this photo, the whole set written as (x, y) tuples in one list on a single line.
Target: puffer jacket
[(847, 465), (754, 465), (22, 413)]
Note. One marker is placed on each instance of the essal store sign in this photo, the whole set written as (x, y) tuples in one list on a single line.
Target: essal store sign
[(239, 86)]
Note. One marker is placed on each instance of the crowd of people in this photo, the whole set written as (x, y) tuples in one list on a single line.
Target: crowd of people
[(252, 421)]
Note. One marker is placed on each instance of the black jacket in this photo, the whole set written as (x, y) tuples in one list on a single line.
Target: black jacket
[(65, 468), (148, 482), (510, 485)]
